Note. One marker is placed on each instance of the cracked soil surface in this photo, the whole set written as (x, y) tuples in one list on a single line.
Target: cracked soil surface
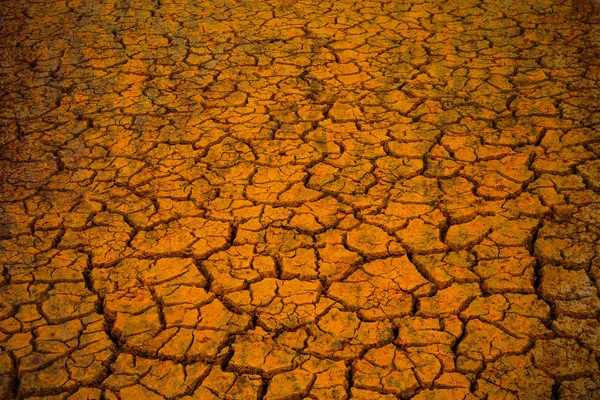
[(281, 200)]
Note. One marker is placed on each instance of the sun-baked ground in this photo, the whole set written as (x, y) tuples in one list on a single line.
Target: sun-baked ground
[(236, 199)]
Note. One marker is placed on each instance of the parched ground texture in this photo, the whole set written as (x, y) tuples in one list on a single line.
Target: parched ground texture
[(275, 199)]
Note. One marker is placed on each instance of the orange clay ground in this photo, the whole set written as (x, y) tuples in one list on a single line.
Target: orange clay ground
[(285, 200)]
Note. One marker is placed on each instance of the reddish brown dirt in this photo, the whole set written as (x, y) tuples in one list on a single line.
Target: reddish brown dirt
[(280, 200)]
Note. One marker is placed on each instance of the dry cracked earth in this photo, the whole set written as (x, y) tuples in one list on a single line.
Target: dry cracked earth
[(279, 200)]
